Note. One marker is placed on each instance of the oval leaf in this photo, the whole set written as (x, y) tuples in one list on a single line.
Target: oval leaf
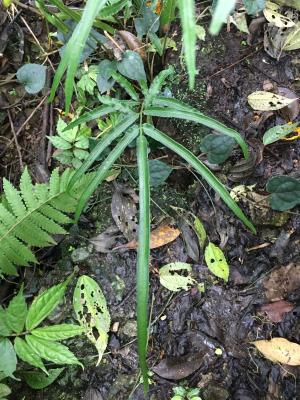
[(25, 353), (279, 350), (16, 312), (278, 132), (33, 77), (132, 66), (44, 304), (268, 101), (285, 192), (4, 329), (4, 390), (159, 172), (8, 359), (58, 332), (217, 147), (176, 276), (91, 310), (216, 261), (52, 351), (38, 380)]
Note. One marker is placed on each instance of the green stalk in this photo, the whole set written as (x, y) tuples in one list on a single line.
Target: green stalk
[(142, 285)]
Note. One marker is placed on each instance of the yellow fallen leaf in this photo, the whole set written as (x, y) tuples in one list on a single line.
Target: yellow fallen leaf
[(279, 350)]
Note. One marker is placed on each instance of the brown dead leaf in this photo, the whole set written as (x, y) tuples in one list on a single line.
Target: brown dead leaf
[(279, 350), (133, 43), (282, 281), (275, 311), (160, 236)]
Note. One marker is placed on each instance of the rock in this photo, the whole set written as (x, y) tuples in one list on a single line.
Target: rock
[(130, 328)]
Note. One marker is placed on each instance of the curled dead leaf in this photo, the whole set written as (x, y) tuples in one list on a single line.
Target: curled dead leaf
[(276, 311), (279, 350), (282, 281), (133, 43)]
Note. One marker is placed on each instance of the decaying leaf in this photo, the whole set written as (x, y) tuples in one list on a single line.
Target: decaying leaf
[(276, 310), (176, 276), (160, 236), (277, 19), (282, 281), (190, 239), (279, 350), (216, 261), (266, 101), (292, 41), (133, 43), (91, 311), (240, 21), (124, 211)]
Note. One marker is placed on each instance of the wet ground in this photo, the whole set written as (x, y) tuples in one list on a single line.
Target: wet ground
[(188, 327)]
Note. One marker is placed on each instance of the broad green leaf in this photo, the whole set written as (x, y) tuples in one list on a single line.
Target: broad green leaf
[(132, 66), (104, 78), (176, 276), (284, 192), (4, 329), (168, 12), (73, 49), (16, 312), (38, 380), (216, 261), (8, 358), (278, 132), (268, 101), (143, 256), (156, 43), (220, 14), (33, 77), (171, 108), (217, 147), (115, 132), (52, 351), (200, 168), (91, 311), (126, 85), (58, 332), (26, 354), (148, 23), (200, 231), (188, 22), (159, 172), (104, 168), (254, 6), (44, 304), (60, 143), (4, 390)]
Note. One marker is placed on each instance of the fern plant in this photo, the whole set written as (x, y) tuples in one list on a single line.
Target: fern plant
[(31, 215), (136, 125)]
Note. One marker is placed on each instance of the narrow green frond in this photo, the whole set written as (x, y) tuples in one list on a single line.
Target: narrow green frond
[(172, 108), (188, 22), (126, 85), (220, 15), (157, 84), (14, 199), (102, 145), (73, 50), (91, 115), (27, 190), (201, 169), (104, 168), (142, 274), (54, 186)]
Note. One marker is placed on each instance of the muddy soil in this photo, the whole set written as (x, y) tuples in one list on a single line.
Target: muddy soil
[(187, 328)]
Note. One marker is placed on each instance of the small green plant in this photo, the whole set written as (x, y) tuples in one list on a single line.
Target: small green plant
[(72, 145), (185, 393), (24, 336)]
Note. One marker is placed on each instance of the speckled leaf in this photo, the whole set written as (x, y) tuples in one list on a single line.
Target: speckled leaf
[(52, 351), (278, 132), (16, 312), (277, 19), (58, 332), (91, 310), (176, 276), (216, 261), (27, 354), (268, 101), (279, 350)]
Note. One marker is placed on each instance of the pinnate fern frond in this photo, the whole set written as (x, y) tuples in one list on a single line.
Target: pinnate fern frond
[(31, 215)]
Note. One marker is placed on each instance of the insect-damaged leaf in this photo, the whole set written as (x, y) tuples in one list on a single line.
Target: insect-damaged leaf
[(216, 261), (176, 276), (92, 313), (268, 101), (279, 350), (277, 19)]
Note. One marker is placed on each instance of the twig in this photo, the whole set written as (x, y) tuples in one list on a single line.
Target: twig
[(16, 140)]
